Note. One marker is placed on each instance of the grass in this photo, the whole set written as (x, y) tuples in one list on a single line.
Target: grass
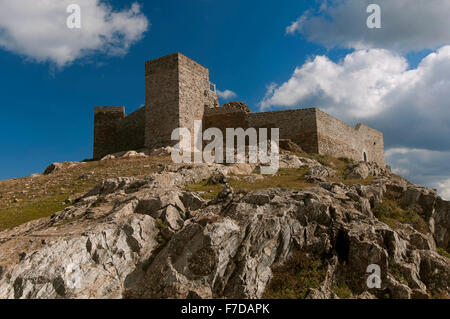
[(391, 213), (293, 280), (30, 198), (443, 252), (161, 226), (289, 178), (342, 291), (285, 178), (205, 189), (396, 271)]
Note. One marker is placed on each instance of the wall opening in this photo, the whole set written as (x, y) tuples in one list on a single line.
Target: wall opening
[(365, 156)]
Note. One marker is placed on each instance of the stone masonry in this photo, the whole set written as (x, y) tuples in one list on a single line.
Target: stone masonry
[(178, 91)]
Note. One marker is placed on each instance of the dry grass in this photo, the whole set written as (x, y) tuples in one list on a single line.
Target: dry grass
[(30, 198)]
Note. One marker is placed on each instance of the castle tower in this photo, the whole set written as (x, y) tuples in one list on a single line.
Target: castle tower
[(177, 90)]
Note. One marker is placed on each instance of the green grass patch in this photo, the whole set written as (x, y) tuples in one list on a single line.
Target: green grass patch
[(205, 189), (443, 252), (28, 211), (342, 291), (29, 198), (294, 279), (285, 178), (390, 213), (396, 271)]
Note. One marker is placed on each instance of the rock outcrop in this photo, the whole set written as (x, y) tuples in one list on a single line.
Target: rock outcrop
[(151, 238), (236, 106)]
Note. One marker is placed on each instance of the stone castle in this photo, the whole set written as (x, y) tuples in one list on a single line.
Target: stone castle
[(178, 91)]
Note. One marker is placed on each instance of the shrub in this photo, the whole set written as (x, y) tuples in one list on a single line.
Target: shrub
[(294, 279)]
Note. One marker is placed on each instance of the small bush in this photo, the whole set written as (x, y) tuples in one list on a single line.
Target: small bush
[(342, 291), (294, 279), (390, 213), (443, 252)]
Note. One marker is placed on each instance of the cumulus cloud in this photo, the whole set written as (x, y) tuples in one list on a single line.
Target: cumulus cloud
[(376, 86), (409, 105), (37, 30), (422, 166), (226, 95), (407, 25)]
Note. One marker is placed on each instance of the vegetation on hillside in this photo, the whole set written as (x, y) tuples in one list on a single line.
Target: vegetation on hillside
[(37, 196)]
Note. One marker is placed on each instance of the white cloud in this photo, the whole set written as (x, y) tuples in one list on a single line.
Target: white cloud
[(37, 29), (407, 25), (376, 86), (355, 85), (226, 95), (410, 106), (444, 188), (422, 166)]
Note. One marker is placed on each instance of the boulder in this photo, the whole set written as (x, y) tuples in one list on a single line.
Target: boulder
[(53, 167)]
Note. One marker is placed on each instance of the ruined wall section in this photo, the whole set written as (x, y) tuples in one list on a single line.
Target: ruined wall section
[(106, 122), (341, 140), (114, 132), (372, 142), (297, 125), (130, 133), (223, 119), (161, 100)]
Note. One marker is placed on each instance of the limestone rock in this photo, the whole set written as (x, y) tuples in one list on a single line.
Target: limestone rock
[(288, 145), (239, 106), (53, 168), (133, 154), (108, 157), (151, 238)]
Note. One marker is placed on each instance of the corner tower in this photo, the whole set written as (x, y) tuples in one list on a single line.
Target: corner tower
[(177, 90)]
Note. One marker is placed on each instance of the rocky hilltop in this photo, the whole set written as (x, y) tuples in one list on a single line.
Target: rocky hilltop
[(225, 231)]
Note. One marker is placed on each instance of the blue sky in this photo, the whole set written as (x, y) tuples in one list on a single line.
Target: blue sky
[(308, 52), (48, 112)]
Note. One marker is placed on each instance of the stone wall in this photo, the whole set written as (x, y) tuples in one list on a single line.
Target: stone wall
[(161, 100), (130, 133), (177, 91), (106, 121), (341, 140), (296, 125), (225, 119), (114, 132), (195, 94)]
